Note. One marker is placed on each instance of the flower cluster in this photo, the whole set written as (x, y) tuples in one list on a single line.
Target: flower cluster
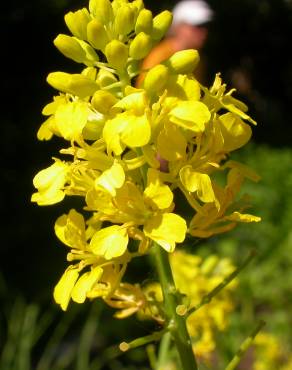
[(129, 150)]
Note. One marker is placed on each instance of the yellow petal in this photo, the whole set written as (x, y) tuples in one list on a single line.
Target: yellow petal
[(137, 132), (85, 283), (70, 229), (50, 183), (199, 182), (111, 179), (171, 143), (166, 230), (71, 118), (192, 115), (62, 291), (110, 242), (156, 193), (235, 132)]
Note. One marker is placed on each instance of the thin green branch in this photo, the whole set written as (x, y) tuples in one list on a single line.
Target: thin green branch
[(244, 347), (208, 297), (154, 337)]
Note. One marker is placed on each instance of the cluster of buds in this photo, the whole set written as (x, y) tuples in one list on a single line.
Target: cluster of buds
[(130, 150)]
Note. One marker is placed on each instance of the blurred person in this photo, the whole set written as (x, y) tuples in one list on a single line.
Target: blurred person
[(189, 30)]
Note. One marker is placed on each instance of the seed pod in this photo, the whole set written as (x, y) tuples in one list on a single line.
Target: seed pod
[(124, 20), (74, 84), (144, 22), (77, 23), (156, 78), (116, 53), (102, 10), (96, 34), (102, 101), (161, 24), (140, 46), (183, 61)]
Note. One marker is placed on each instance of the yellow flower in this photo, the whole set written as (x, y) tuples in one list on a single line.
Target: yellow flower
[(50, 184), (110, 242)]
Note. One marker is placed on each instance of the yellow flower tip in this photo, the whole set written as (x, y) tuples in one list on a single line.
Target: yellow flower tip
[(117, 53), (77, 22), (161, 24), (140, 46), (183, 61), (103, 100), (72, 84), (144, 22), (70, 47), (124, 346), (124, 20), (96, 34), (102, 10), (156, 79), (181, 310)]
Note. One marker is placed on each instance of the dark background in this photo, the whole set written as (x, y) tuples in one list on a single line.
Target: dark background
[(248, 38)]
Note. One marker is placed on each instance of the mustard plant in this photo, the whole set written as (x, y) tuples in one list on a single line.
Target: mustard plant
[(128, 152)]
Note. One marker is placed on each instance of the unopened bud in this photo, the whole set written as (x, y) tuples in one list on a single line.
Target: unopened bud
[(70, 47), (124, 20), (161, 24), (74, 84), (140, 46), (138, 4), (105, 78), (183, 61), (144, 22), (96, 34), (91, 56), (77, 22), (156, 78), (102, 101), (116, 53), (102, 10)]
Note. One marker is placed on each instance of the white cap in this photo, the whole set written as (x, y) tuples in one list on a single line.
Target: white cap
[(193, 12)]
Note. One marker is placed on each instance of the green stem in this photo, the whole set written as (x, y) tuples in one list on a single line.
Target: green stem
[(176, 324), (163, 350)]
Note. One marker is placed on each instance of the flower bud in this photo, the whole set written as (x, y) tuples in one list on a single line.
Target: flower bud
[(144, 22), (140, 46), (76, 49), (116, 53), (161, 24), (74, 84), (102, 101), (124, 20), (156, 78), (70, 47), (96, 34), (105, 78), (77, 22), (91, 56), (183, 61), (102, 10), (138, 4)]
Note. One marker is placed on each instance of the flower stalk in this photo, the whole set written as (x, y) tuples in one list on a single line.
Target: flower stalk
[(176, 323)]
